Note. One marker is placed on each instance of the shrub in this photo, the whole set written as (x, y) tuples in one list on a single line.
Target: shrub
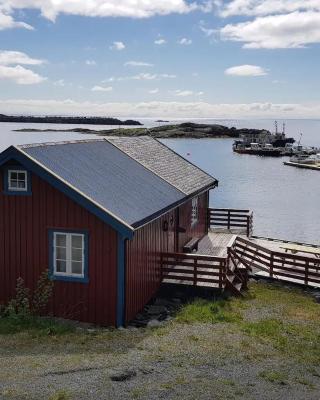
[(25, 304)]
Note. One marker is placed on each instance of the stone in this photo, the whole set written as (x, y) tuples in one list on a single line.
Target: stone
[(154, 323), (123, 375)]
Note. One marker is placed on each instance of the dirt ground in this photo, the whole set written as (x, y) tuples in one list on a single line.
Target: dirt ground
[(265, 346)]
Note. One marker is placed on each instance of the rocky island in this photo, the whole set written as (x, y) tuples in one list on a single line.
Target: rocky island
[(185, 130), (66, 120)]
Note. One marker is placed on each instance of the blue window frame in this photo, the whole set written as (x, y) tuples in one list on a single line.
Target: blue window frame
[(17, 181), (68, 255)]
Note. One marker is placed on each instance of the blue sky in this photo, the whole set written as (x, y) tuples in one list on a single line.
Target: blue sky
[(157, 58)]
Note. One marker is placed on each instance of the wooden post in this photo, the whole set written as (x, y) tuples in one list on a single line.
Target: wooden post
[(195, 264), (306, 276), (229, 215), (271, 266), (248, 226)]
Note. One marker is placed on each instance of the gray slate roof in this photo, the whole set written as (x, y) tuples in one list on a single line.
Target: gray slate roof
[(134, 179), (164, 162)]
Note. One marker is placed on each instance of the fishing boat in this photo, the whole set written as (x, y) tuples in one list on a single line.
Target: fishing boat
[(256, 149)]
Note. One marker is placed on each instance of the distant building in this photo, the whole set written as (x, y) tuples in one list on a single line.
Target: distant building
[(97, 214)]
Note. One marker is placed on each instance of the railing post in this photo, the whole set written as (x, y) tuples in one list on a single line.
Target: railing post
[(306, 276), (229, 219), (248, 226), (195, 264), (271, 265)]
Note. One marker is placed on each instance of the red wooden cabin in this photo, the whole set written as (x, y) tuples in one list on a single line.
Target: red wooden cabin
[(97, 214)]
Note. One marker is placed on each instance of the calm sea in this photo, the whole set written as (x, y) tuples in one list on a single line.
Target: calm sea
[(285, 200)]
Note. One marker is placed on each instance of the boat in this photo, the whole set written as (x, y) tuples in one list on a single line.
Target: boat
[(305, 161), (256, 149)]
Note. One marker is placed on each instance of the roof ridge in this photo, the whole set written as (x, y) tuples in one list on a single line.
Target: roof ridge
[(62, 142)]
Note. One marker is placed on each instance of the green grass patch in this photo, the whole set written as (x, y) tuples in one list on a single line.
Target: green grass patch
[(60, 395), (33, 325), (278, 377), (201, 310)]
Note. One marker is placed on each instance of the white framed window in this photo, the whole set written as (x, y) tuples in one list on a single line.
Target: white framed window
[(17, 180), (195, 210), (69, 254)]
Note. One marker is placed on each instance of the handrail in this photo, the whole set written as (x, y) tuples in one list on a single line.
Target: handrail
[(276, 264), (231, 218), (194, 268)]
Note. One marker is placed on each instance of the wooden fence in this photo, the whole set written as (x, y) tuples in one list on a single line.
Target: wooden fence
[(194, 269), (231, 219), (276, 264)]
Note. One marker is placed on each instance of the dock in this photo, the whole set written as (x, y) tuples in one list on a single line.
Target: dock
[(227, 256), (304, 166)]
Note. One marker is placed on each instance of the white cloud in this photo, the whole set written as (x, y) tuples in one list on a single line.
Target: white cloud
[(246, 70), (60, 83), (154, 91), (183, 93), (185, 41), (292, 30), (20, 75), (118, 46), (208, 32), (145, 76), (7, 22), (91, 63), (156, 109), (266, 7), (160, 42), (8, 57), (102, 88), (50, 9), (138, 64)]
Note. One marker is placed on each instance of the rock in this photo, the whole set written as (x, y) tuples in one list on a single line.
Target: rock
[(154, 323), (124, 375)]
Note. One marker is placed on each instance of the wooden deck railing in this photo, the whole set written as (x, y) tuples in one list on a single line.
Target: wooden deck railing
[(276, 264), (230, 219), (194, 269)]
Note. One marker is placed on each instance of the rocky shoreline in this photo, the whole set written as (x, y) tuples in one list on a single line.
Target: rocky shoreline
[(66, 120), (185, 130)]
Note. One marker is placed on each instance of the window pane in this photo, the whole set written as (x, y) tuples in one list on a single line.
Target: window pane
[(61, 253), (21, 176), (61, 266), (76, 268), (13, 175), (77, 241), (61, 240), (13, 184), (21, 184), (76, 254)]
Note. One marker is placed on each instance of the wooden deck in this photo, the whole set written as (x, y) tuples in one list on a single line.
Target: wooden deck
[(229, 252), (207, 267)]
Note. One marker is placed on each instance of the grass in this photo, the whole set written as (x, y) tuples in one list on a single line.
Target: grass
[(281, 378), (33, 325), (60, 395), (205, 349), (208, 312)]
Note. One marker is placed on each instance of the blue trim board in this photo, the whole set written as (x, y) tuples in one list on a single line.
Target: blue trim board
[(54, 277), (121, 276), (13, 153), (11, 192)]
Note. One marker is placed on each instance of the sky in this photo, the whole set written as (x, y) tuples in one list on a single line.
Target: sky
[(161, 58)]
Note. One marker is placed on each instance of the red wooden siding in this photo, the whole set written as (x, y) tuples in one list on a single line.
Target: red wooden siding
[(24, 252), (143, 268), (200, 228)]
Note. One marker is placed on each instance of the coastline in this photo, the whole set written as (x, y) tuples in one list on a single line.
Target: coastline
[(186, 130)]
